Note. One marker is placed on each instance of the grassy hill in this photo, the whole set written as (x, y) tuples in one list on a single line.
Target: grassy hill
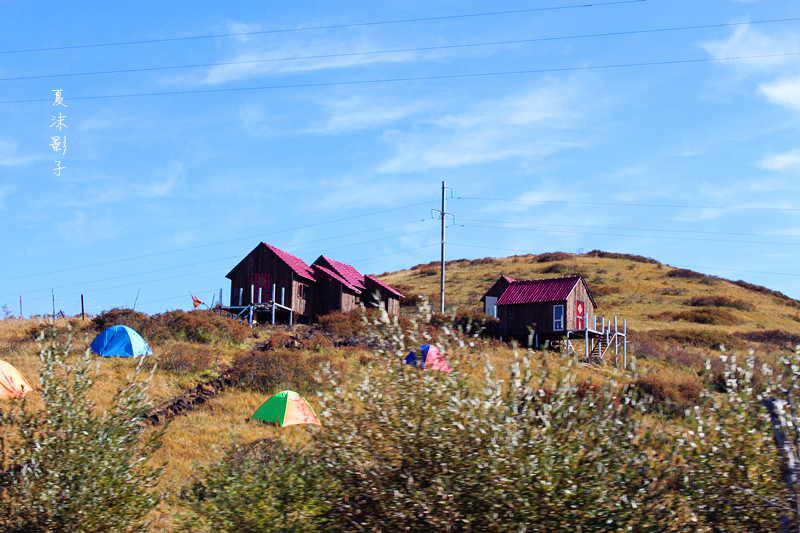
[(677, 319), (658, 301)]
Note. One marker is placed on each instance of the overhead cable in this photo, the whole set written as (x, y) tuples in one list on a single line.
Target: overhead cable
[(392, 51), (315, 28)]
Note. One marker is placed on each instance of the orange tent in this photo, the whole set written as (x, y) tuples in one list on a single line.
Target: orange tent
[(12, 383), (286, 408)]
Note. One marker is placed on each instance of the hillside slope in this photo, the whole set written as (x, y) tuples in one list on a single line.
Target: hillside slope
[(654, 298)]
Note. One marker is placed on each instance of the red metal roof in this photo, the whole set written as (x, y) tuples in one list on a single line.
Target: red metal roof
[(385, 286), (295, 263), (538, 290), (350, 274), (336, 276)]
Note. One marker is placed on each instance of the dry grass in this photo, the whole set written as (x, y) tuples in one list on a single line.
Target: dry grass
[(630, 287), (670, 353)]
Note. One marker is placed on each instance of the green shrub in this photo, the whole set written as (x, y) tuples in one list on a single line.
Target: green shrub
[(701, 338), (685, 273), (260, 488), (719, 301), (201, 326), (629, 257), (477, 323), (407, 450), (553, 256), (186, 357), (268, 371), (68, 467), (785, 339), (673, 396), (705, 315), (344, 324), (122, 317), (731, 465)]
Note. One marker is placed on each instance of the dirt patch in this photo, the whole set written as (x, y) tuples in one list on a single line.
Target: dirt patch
[(190, 399)]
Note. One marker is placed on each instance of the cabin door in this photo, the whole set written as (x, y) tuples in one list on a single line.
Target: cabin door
[(580, 315), (263, 286)]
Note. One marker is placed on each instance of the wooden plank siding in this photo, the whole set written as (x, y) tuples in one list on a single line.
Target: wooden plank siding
[(516, 319), (262, 260), (310, 291), (579, 294), (387, 299)]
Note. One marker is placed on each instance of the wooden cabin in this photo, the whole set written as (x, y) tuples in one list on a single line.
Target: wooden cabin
[(489, 299), (549, 307), (355, 288), (302, 292), (380, 294), (253, 278), (333, 292)]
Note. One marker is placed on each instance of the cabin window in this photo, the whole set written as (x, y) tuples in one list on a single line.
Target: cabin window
[(301, 291), (558, 317), (580, 315)]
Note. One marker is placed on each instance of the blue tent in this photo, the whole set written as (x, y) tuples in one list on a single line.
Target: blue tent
[(120, 341), (430, 358)]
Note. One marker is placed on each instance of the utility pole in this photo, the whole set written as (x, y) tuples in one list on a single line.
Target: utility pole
[(443, 214)]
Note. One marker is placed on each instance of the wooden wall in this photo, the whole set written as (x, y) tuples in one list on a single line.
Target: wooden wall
[(579, 293), (388, 299), (515, 319), (263, 260)]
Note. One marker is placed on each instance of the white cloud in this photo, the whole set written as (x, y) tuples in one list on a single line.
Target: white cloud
[(524, 125), (358, 113), (10, 156), (163, 185), (783, 92), (548, 104), (780, 162), (746, 41), (290, 58), (83, 227)]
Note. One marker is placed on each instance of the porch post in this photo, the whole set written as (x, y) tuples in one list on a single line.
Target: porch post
[(625, 343), (586, 342), (273, 304)]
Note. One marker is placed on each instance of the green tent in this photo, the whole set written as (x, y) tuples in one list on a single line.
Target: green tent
[(286, 408)]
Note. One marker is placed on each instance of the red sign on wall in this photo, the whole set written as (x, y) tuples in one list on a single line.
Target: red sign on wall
[(579, 313)]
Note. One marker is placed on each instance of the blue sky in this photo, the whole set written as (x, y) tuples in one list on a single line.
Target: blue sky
[(195, 130)]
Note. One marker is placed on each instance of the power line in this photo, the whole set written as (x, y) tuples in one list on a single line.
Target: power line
[(528, 252), (259, 235), (412, 78), (315, 28), (665, 237), (740, 234), (184, 274), (392, 51), (607, 204)]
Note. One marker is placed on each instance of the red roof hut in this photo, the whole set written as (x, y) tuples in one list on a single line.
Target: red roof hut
[(549, 307)]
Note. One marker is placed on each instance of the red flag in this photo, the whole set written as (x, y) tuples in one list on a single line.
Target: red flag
[(197, 301)]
